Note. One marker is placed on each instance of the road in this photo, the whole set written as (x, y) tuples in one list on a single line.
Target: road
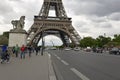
[(80, 65)]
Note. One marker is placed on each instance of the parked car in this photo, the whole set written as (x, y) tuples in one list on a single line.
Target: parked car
[(53, 48), (88, 49), (67, 49), (99, 50), (94, 49), (76, 48), (114, 51)]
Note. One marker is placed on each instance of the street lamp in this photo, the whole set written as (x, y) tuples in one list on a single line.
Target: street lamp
[(42, 38), (42, 43)]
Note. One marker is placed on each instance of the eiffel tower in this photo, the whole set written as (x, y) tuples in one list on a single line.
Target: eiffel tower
[(59, 25)]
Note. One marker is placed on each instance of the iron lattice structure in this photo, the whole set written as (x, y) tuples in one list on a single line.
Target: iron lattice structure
[(59, 25)]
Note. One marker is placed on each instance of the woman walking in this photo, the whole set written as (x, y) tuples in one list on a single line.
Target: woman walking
[(22, 55)]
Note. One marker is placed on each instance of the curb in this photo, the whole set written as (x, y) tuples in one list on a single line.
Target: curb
[(51, 70)]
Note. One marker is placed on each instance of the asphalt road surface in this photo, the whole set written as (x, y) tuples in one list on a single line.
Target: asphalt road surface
[(80, 65)]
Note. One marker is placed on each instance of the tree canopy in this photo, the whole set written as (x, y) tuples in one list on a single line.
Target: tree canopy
[(87, 41), (100, 41), (4, 38)]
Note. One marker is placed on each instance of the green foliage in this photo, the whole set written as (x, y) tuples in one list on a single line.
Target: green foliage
[(87, 41), (3, 40), (102, 40), (115, 42), (71, 45), (112, 44), (98, 42), (6, 34), (60, 46), (116, 38)]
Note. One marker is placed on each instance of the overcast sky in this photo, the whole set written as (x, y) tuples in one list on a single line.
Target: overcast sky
[(89, 17)]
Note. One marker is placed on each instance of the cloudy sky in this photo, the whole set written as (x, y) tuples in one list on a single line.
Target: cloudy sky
[(90, 17)]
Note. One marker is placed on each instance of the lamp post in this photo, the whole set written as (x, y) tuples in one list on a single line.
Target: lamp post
[(42, 43), (42, 32)]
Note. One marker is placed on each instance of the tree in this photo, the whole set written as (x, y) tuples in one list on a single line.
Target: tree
[(87, 41), (111, 44), (3, 40), (6, 34), (115, 41), (102, 40), (116, 38), (71, 45)]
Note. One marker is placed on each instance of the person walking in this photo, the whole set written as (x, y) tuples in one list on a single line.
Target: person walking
[(29, 50), (5, 57), (4, 48), (36, 50), (22, 54), (13, 50), (16, 50), (4, 52)]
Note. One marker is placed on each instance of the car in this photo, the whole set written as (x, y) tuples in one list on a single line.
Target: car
[(53, 48), (76, 48), (67, 49), (88, 49), (114, 50), (99, 50)]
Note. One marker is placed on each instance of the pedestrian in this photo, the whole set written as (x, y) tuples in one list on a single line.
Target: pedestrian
[(22, 54), (4, 55), (29, 50), (16, 50), (13, 50), (36, 50), (7, 56), (4, 48)]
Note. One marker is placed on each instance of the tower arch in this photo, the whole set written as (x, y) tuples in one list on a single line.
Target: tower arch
[(61, 33), (60, 23)]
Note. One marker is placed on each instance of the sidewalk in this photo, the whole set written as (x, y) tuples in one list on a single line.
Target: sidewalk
[(34, 68)]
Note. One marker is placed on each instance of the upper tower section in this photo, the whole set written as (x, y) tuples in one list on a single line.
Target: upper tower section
[(55, 5)]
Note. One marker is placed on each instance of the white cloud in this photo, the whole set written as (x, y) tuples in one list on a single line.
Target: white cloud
[(115, 16)]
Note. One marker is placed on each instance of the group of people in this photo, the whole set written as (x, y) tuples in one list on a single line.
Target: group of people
[(25, 49), (16, 50)]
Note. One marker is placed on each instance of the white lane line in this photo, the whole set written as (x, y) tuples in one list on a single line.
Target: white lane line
[(79, 74), (58, 58), (55, 55), (64, 62), (49, 55)]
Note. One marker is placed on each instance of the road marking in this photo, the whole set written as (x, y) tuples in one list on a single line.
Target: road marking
[(64, 62), (52, 78), (79, 74), (59, 58), (49, 56), (55, 55)]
